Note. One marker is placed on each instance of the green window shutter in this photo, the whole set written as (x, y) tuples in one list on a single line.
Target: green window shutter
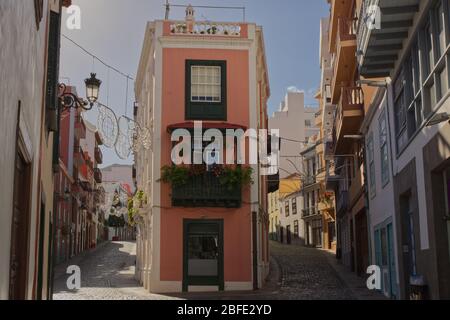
[(206, 110), (53, 61)]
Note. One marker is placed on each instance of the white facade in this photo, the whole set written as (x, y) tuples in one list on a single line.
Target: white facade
[(296, 123), (381, 211), (118, 173)]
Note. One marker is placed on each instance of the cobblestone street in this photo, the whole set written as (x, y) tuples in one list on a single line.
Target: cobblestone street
[(297, 273), (314, 274), (106, 274)]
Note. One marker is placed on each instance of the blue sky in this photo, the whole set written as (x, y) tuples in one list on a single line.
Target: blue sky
[(114, 30)]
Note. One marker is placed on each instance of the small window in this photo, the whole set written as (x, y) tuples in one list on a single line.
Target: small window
[(384, 149), (296, 230), (287, 209), (294, 206), (370, 156), (440, 27), (308, 123), (429, 57)]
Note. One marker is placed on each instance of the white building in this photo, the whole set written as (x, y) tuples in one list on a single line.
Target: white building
[(119, 173), (296, 123), (410, 154)]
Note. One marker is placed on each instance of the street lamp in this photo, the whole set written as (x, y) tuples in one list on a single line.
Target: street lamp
[(92, 89), (70, 100)]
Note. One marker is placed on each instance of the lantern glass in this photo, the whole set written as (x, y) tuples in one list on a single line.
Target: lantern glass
[(92, 88), (92, 93)]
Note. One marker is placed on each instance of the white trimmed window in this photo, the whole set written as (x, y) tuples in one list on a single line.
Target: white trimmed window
[(206, 84), (371, 158), (384, 150)]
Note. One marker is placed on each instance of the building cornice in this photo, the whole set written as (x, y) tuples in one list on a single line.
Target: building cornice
[(202, 43)]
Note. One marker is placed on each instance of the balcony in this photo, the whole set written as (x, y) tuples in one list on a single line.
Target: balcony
[(331, 178), (342, 203), (327, 205), (206, 191), (339, 8), (328, 118), (309, 180), (345, 59), (321, 174), (318, 118), (349, 115), (80, 127), (99, 196), (310, 212), (379, 44), (98, 138), (78, 156), (98, 175), (98, 155)]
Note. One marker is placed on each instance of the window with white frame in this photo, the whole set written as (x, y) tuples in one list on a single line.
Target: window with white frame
[(384, 149), (423, 80), (294, 206), (206, 84), (371, 158), (286, 208)]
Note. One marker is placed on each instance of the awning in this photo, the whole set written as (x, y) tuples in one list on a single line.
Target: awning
[(206, 126)]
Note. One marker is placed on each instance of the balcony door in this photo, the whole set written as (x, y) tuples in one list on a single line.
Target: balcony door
[(203, 258)]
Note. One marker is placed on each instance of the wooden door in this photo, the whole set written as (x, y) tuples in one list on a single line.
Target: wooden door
[(20, 230)]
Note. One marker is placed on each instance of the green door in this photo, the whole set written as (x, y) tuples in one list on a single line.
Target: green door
[(203, 259), (392, 265)]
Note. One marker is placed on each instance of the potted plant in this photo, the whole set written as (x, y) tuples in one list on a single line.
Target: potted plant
[(175, 175), (140, 199), (235, 177)]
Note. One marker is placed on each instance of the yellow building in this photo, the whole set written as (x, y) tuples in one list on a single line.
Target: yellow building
[(274, 214), (284, 210)]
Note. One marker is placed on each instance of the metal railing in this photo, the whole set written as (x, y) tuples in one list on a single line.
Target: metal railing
[(206, 191)]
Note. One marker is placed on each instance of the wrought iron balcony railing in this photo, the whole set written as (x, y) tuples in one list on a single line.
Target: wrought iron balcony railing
[(206, 191), (98, 155), (98, 175)]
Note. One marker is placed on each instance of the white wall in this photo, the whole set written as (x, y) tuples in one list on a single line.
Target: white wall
[(22, 76), (382, 203), (290, 120), (118, 173)]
